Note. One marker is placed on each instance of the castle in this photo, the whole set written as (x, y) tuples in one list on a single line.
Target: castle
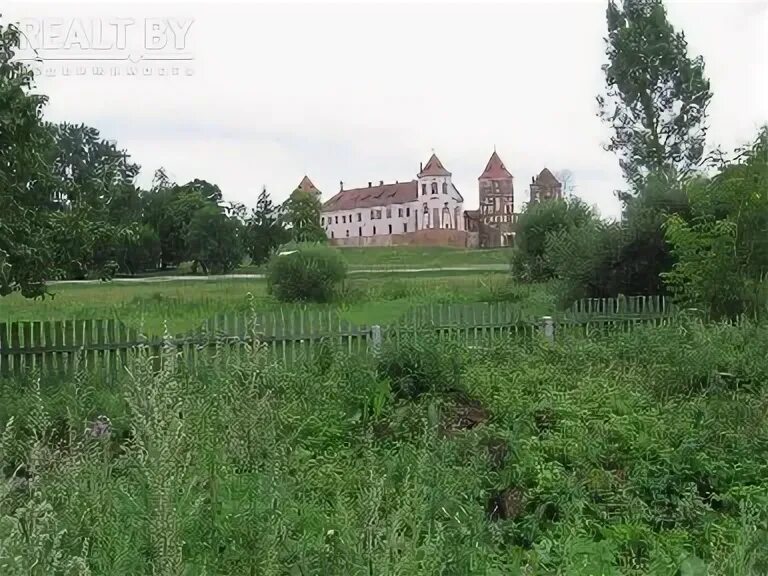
[(428, 210)]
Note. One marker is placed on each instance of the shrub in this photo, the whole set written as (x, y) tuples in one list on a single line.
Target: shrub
[(419, 365), (529, 260), (310, 274)]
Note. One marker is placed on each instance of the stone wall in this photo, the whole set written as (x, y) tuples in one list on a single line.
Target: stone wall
[(429, 237)]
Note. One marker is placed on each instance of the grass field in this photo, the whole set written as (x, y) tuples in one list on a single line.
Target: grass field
[(184, 305), (401, 257), (641, 453)]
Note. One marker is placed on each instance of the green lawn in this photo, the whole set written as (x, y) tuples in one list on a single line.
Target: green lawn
[(401, 257), (186, 304)]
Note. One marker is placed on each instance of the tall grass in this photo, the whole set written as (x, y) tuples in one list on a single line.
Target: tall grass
[(641, 453)]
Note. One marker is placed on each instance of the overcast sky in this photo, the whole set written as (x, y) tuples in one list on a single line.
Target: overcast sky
[(364, 91)]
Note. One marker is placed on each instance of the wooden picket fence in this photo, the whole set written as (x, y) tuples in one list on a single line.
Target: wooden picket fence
[(63, 346)]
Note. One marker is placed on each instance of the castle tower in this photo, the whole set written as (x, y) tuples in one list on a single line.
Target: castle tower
[(497, 193), (440, 202), (545, 187)]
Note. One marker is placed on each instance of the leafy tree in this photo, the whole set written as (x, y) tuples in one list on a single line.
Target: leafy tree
[(140, 251), (302, 217), (529, 260), (85, 245), (169, 210), (26, 180), (722, 251), (656, 95), (214, 240), (265, 230), (93, 173)]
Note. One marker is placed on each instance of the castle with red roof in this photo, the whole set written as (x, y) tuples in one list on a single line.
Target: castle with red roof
[(428, 210)]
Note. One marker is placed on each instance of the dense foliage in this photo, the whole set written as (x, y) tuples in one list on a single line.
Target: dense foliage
[(721, 252), (539, 220), (265, 230), (302, 217), (308, 273), (25, 177), (641, 453)]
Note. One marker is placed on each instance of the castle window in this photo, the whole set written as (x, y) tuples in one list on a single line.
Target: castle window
[(337, 219), (322, 221), (359, 216), (423, 189), (399, 212), (374, 230), (390, 228), (405, 227), (434, 187), (389, 212), (347, 233), (426, 209), (343, 219), (360, 231), (445, 188)]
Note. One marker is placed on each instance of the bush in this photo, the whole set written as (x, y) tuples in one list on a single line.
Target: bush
[(310, 274), (529, 260), (420, 365)]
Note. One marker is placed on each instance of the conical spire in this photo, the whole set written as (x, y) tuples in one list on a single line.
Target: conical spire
[(434, 168), (495, 168), (306, 185)]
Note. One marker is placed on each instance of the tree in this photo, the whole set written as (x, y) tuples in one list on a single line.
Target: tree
[(656, 96), (26, 180), (169, 210), (302, 217), (93, 173), (722, 250), (265, 230), (214, 240), (529, 260)]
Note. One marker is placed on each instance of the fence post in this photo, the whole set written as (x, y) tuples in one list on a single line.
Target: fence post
[(376, 339), (548, 328)]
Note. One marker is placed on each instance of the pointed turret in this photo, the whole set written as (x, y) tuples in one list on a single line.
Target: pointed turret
[(434, 168), (306, 185), (495, 169)]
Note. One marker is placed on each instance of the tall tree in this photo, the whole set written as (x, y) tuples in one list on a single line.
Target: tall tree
[(265, 230), (656, 95), (93, 172), (26, 180), (214, 240), (302, 216), (169, 211)]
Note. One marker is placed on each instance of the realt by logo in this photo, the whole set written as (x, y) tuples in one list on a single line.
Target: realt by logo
[(107, 47), (157, 39)]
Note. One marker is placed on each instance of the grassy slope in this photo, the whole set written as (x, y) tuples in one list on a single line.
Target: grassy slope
[(621, 455)]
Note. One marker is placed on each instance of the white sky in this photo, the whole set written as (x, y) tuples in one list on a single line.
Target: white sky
[(364, 91)]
